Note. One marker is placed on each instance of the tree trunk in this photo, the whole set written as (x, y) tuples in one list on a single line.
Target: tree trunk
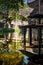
[(6, 36)]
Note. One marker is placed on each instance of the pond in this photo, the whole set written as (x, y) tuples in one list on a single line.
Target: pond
[(15, 59)]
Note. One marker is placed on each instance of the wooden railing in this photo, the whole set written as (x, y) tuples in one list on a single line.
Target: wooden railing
[(39, 27)]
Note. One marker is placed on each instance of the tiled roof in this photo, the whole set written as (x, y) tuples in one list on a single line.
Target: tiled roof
[(35, 5), (25, 12)]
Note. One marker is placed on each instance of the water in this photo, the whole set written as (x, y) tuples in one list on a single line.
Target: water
[(26, 61), (15, 59)]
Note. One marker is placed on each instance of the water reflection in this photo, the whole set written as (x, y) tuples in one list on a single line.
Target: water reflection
[(26, 61), (15, 59)]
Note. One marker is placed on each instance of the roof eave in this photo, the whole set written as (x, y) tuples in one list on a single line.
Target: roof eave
[(32, 4)]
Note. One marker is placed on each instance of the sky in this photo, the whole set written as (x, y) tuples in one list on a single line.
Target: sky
[(25, 0), (28, 0)]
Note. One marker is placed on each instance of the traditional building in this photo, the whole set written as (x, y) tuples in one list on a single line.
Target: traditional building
[(35, 33), (37, 5)]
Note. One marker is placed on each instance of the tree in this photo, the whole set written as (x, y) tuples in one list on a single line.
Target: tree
[(7, 5), (11, 4)]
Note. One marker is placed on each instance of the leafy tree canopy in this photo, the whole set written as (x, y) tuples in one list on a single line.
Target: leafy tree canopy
[(11, 4)]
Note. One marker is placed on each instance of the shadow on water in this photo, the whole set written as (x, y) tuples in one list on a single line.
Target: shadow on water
[(26, 61), (32, 59)]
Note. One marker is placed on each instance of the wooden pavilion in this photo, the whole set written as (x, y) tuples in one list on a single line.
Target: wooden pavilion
[(37, 5), (37, 13)]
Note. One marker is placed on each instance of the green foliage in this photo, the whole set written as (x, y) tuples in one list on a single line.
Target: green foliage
[(17, 30), (11, 59), (7, 5), (13, 16), (14, 46), (6, 30), (18, 17), (25, 5), (11, 4)]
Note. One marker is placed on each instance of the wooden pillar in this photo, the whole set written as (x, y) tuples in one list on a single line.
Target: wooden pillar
[(24, 38), (39, 34), (30, 35)]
